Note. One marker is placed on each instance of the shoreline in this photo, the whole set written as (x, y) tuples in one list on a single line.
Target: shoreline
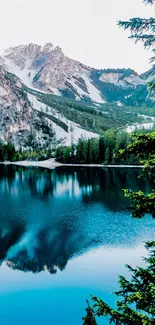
[(51, 164)]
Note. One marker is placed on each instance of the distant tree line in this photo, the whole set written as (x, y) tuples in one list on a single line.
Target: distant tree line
[(9, 153), (103, 150)]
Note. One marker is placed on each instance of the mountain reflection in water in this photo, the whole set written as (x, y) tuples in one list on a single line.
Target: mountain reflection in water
[(48, 217)]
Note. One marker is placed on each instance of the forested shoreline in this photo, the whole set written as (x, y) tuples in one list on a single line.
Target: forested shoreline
[(102, 150)]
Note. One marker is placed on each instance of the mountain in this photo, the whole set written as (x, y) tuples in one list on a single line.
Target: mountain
[(25, 125), (47, 98), (47, 69)]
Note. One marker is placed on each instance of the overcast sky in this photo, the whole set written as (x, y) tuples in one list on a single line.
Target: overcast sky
[(85, 29)]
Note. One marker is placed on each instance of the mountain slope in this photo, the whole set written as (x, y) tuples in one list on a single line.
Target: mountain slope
[(23, 123), (15, 111)]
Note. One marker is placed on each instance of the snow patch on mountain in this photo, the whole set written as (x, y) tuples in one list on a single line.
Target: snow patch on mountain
[(135, 127), (74, 130), (94, 93), (54, 91), (79, 92), (26, 74)]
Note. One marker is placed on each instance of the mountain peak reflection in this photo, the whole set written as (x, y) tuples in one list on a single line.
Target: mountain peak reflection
[(49, 217)]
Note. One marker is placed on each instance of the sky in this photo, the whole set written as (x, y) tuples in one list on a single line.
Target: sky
[(86, 30)]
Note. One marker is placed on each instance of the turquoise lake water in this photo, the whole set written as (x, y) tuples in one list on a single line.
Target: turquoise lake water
[(65, 234)]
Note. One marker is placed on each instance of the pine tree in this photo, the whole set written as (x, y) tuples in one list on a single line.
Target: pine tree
[(136, 305), (138, 27), (143, 30), (107, 156), (101, 150), (90, 318), (142, 147)]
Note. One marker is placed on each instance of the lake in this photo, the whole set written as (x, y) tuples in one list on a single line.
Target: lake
[(65, 233)]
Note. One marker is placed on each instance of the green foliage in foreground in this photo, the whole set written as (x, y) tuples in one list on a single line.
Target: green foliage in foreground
[(137, 295), (143, 204), (136, 305), (143, 148)]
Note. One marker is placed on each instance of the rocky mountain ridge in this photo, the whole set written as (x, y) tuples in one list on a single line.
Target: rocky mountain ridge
[(46, 68)]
